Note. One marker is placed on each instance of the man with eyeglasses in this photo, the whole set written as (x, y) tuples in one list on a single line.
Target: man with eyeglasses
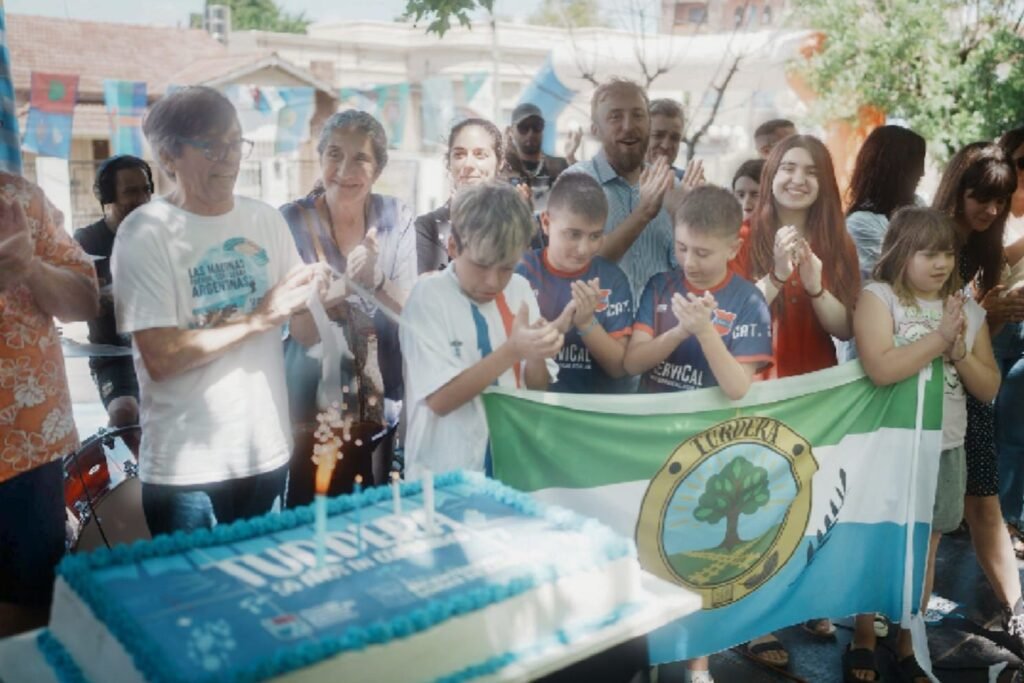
[(204, 280), (525, 162)]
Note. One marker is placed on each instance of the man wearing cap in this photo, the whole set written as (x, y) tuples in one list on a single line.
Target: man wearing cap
[(525, 163)]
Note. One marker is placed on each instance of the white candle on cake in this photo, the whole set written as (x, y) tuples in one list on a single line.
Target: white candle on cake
[(320, 527), (428, 500), (396, 493), (358, 514)]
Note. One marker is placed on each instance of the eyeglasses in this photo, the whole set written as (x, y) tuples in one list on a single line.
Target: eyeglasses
[(536, 125), (216, 150)]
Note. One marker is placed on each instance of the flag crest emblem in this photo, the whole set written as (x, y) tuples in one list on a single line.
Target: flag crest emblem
[(728, 508)]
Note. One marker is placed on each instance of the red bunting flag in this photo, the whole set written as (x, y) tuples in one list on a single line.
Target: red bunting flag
[(54, 93)]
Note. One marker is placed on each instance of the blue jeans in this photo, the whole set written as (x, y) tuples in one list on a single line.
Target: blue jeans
[(169, 508), (1009, 350)]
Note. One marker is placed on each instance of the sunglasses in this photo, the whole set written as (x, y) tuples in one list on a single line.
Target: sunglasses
[(524, 127)]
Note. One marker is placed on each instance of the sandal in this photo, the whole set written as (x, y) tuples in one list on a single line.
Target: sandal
[(911, 671), (814, 627), (1005, 673), (881, 625), (756, 651), (860, 659), (1017, 540)]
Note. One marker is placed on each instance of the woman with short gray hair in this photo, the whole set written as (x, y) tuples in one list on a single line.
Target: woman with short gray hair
[(204, 280), (369, 239)]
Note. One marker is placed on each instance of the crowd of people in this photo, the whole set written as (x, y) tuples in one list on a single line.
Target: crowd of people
[(616, 274)]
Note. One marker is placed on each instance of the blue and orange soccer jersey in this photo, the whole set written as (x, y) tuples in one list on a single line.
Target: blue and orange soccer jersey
[(742, 318), (577, 372)]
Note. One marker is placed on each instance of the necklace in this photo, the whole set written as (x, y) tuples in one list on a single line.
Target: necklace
[(533, 174)]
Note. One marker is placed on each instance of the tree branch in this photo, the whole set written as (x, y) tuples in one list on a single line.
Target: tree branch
[(691, 141)]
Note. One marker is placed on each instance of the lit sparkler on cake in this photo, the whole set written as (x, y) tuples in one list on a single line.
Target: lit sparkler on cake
[(331, 434)]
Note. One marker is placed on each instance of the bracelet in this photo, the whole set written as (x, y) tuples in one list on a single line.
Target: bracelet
[(820, 293), (584, 331), (775, 279)]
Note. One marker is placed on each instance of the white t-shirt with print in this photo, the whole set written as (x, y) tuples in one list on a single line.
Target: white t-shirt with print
[(441, 337), (226, 419), (911, 323)]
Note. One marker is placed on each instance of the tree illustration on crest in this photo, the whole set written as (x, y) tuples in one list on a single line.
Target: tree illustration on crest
[(740, 488)]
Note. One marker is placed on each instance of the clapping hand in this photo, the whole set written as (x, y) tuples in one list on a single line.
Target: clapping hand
[(655, 180), (694, 174), (809, 266), (526, 193), (693, 177), (786, 251), (538, 340), (586, 295), (362, 264), (693, 313), (291, 294), (953, 324), (572, 142), (1004, 305)]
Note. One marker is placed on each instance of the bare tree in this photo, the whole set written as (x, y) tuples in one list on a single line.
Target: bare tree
[(654, 63), (692, 139)]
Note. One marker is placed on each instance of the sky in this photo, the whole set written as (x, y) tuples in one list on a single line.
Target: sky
[(173, 12)]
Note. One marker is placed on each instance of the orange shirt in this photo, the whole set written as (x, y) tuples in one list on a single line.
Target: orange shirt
[(799, 343), (36, 424)]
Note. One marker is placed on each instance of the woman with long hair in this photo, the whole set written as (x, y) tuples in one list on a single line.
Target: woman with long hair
[(1009, 349), (798, 253), (975, 191), (801, 256), (889, 166)]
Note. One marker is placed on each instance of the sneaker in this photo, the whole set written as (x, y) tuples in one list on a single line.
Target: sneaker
[(701, 677)]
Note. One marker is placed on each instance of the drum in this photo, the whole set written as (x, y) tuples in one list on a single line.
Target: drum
[(102, 493)]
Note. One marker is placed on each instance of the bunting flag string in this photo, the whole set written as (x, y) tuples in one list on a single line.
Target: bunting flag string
[(51, 111), (10, 148), (126, 103)]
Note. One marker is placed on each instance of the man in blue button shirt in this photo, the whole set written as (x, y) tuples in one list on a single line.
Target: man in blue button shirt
[(638, 230)]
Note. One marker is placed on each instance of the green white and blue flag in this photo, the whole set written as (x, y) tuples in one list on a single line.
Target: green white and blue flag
[(810, 497)]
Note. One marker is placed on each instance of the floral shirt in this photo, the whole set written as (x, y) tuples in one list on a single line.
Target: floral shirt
[(36, 424)]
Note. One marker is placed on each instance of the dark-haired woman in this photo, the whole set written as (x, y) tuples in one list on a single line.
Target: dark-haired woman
[(474, 156), (976, 190), (889, 166), (1008, 345), (885, 176)]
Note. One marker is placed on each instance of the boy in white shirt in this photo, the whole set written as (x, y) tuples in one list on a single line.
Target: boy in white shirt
[(469, 327)]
